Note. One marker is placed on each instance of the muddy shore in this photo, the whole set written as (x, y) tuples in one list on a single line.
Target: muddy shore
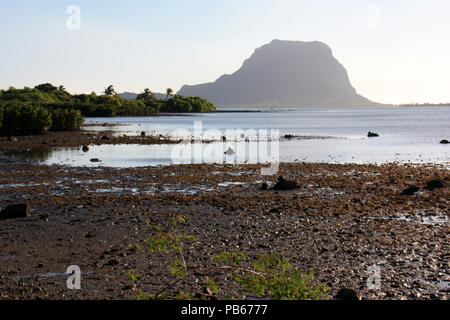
[(340, 221)]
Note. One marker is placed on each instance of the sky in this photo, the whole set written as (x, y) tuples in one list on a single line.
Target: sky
[(394, 51)]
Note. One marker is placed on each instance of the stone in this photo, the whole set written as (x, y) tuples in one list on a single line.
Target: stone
[(21, 210), (229, 152), (410, 190), (347, 294), (434, 184), (444, 141), (85, 148), (284, 184), (372, 134)]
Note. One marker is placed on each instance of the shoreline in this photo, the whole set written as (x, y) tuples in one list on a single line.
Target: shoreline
[(341, 220)]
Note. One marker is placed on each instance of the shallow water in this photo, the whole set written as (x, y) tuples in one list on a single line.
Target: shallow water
[(332, 135)]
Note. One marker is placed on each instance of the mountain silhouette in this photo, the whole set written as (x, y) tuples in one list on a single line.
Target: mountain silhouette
[(283, 74)]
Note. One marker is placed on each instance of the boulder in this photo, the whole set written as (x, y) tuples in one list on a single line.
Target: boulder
[(410, 190), (434, 184), (444, 141), (20, 210), (229, 152), (85, 148), (143, 134), (96, 160), (372, 134), (284, 184), (347, 294), (105, 138)]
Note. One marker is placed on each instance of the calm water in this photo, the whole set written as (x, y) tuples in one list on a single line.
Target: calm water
[(337, 135)]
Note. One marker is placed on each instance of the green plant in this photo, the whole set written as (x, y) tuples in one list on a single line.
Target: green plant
[(134, 277), (272, 276), (166, 240), (23, 118)]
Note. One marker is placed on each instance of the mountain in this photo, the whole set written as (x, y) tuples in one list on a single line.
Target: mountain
[(285, 74)]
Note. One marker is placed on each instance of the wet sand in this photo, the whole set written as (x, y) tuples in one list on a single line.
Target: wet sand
[(341, 220)]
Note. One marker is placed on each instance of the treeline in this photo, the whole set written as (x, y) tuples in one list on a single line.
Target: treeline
[(49, 108)]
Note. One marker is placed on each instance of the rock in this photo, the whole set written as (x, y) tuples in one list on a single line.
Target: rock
[(85, 148), (264, 186), (372, 134), (229, 152), (444, 141), (224, 138), (283, 184), (410, 191), (434, 184), (143, 134), (95, 160), (289, 136), (20, 210), (105, 138), (347, 294)]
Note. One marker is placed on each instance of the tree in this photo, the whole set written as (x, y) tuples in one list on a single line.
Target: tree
[(147, 95), (109, 91), (46, 87), (61, 88), (169, 93)]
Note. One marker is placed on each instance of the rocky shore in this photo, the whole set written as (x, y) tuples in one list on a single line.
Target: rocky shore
[(340, 220)]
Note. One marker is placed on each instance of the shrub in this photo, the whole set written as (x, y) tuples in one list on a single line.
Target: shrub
[(187, 104), (24, 118), (63, 119)]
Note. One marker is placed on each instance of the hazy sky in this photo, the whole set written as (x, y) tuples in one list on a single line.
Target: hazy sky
[(394, 51)]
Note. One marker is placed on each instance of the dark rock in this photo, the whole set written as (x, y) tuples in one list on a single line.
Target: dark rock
[(410, 191), (434, 184), (20, 210), (444, 141), (347, 294), (105, 138), (44, 217), (289, 136), (224, 138), (283, 184), (112, 262), (96, 160), (143, 134), (85, 148), (264, 186), (372, 134)]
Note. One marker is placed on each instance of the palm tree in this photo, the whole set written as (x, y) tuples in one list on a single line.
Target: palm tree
[(147, 95), (109, 91), (169, 93)]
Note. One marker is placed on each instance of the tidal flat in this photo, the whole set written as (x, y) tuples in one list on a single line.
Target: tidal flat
[(341, 220)]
